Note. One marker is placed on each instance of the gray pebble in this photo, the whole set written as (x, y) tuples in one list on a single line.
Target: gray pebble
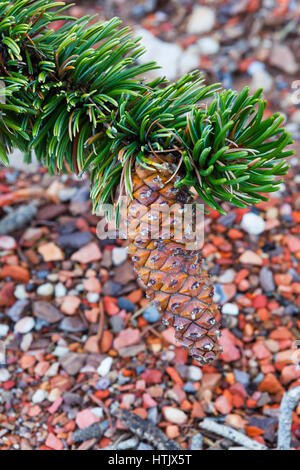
[(197, 442), (151, 314), (117, 323), (128, 444)]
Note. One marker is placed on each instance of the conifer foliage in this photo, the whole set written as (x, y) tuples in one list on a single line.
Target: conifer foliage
[(77, 98)]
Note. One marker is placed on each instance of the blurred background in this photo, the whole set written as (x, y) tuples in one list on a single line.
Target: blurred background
[(80, 337)]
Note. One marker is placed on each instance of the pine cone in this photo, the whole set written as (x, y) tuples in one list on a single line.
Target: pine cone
[(171, 274)]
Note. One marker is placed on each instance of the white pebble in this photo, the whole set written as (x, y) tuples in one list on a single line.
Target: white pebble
[(195, 373), (4, 329), (45, 290), (54, 394), (105, 366), (174, 415), (20, 292), (92, 297), (26, 341), (97, 411), (39, 396), (253, 223), (227, 277), (119, 255), (53, 370), (24, 325), (60, 290), (60, 351), (230, 309), (201, 20), (208, 45), (4, 375)]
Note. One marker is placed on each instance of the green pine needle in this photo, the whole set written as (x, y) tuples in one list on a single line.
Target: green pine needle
[(75, 96)]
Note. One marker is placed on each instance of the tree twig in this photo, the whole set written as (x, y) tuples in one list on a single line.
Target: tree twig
[(288, 403), (144, 429), (235, 436)]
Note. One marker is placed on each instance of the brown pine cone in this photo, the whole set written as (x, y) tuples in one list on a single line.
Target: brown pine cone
[(170, 273)]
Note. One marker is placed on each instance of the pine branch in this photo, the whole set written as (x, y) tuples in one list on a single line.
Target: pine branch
[(76, 98)]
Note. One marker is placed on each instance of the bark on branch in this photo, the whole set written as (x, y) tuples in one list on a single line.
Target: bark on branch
[(229, 433), (288, 403)]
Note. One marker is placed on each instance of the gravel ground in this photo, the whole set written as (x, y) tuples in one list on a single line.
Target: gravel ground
[(81, 340)]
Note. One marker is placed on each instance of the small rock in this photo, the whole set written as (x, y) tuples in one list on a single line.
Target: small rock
[(24, 325), (189, 60), (46, 312), (53, 442), (66, 194), (45, 290), (20, 292), (125, 304), (266, 279), (17, 273), (70, 304), (151, 314), (116, 323), (189, 388), (15, 312), (105, 366), (86, 418), (282, 57), (174, 415), (230, 309), (26, 341), (111, 288), (92, 297), (260, 351), (128, 444), (7, 243), (270, 384), (196, 442), (74, 240), (60, 351), (227, 277), (194, 373), (223, 405), (272, 345), (253, 223), (39, 396), (131, 351), (87, 254), (92, 284), (143, 445), (119, 255), (60, 290), (50, 252), (261, 78), (250, 257), (72, 324), (201, 20), (208, 45), (4, 375), (230, 351), (79, 201), (164, 53), (110, 305), (128, 337), (210, 381), (72, 362), (242, 377), (4, 329)]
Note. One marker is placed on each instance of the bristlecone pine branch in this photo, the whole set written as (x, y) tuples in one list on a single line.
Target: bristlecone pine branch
[(74, 96)]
